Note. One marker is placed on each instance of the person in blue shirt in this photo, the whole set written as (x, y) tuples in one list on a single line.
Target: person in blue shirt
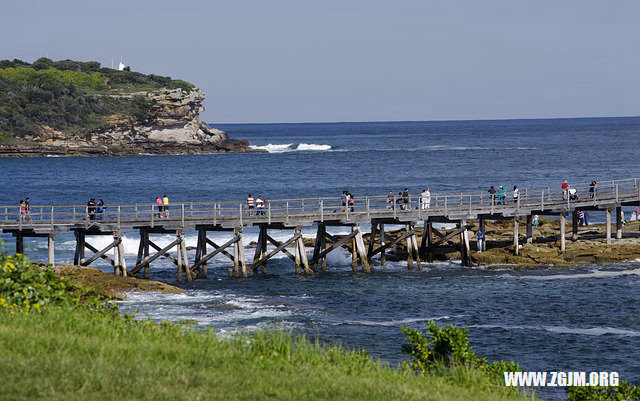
[(502, 196), (480, 240)]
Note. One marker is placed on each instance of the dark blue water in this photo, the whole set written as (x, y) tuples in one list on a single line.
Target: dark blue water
[(585, 318)]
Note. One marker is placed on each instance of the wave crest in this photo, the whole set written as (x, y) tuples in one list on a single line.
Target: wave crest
[(293, 147)]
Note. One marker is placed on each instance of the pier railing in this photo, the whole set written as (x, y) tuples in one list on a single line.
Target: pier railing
[(326, 208)]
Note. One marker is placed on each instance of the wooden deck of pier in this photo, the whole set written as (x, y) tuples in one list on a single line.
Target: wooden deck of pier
[(295, 214)]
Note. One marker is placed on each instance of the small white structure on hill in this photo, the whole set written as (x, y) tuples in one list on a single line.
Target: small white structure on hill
[(121, 66)]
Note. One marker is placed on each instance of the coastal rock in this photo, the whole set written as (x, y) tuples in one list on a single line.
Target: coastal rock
[(172, 126)]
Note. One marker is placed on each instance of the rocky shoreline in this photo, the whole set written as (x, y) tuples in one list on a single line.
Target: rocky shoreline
[(544, 250), (110, 285), (173, 127)]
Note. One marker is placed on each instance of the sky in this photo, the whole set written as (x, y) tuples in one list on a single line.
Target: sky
[(348, 60)]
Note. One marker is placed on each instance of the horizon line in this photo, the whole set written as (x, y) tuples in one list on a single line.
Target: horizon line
[(423, 121)]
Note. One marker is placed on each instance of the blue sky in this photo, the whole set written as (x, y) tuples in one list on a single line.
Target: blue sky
[(290, 61)]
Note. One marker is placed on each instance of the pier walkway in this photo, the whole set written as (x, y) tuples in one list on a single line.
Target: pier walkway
[(294, 214)]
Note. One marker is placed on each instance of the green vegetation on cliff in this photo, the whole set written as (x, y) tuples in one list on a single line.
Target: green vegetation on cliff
[(70, 95)]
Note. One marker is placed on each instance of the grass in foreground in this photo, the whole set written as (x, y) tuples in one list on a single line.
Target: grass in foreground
[(63, 354)]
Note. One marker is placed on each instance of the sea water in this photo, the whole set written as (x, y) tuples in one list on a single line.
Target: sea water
[(585, 318)]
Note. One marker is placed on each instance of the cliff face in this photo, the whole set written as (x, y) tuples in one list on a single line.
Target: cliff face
[(172, 126)]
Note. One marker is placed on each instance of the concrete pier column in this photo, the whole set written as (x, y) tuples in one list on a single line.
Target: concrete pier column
[(619, 222), (563, 222), (574, 225), (50, 249), (608, 226), (529, 229)]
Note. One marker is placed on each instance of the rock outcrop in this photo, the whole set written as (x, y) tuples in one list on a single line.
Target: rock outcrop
[(172, 126)]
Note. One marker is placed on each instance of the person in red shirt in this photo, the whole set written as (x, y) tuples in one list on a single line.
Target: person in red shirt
[(565, 189)]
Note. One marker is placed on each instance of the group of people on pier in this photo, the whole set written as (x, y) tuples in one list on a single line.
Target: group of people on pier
[(25, 209), (163, 206), (255, 205), (403, 199), (95, 209)]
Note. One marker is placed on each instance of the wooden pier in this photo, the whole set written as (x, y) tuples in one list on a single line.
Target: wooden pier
[(295, 214)]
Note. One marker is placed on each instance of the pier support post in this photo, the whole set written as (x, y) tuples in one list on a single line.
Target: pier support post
[(608, 225), (147, 268), (465, 249), (243, 262), (50, 249), (354, 252), (79, 255), (562, 232), (362, 251), (123, 263), (414, 240), (516, 244), (323, 247), (618, 222), (179, 257), (529, 229), (574, 225), (263, 249), (383, 254), (303, 253), (19, 243), (297, 252), (409, 249)]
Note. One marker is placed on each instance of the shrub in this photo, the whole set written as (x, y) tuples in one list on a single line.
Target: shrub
[(448, 345), (625, 391), (444, 348), (25, 287)]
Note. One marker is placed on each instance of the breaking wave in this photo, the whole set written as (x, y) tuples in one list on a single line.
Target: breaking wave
[(292, 147)]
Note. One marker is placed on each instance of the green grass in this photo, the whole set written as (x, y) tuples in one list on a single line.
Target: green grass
[(76, 354)]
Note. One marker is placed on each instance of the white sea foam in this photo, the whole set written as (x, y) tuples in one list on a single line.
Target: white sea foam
[(291, 147), (589, 275), (590, 331), (462, 148), (392, 323)]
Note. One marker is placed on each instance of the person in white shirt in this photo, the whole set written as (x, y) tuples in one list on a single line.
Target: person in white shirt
[(516, 194), (425, 199)]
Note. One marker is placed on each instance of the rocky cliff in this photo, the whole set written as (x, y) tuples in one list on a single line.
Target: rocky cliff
[(171, 126)]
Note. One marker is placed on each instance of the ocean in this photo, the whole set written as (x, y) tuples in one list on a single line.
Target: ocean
[(585, 318)]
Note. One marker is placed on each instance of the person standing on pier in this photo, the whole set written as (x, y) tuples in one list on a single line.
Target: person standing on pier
[(390, 200), (27, 204), (165, 204), (159, 203), (343, 199), (91, 209), (425, 199), (399, 201), (502, 196), (259, 206), (592, 189), (351, 201), (516, 194), (23, 210), (101, 209), (250, 204), (480, 240), (565, 189), (492, 193), (405, 199)]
